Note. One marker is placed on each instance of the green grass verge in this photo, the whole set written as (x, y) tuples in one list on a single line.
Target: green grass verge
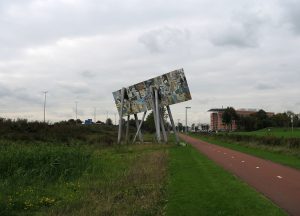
[(198, 186), (275, 154), (277, 132), (48, 179)]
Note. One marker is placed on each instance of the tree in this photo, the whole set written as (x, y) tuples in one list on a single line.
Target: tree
[(132, 123), (108, 121), (193, 127), (180, 127), (247, 123), (281, 120), (149, 124), (78, 121), (229, 116)]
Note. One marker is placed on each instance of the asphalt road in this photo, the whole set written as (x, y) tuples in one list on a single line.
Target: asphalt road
[(279, 183)]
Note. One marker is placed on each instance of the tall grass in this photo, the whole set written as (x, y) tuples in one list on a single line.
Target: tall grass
[(270, 140), (30, 172), (59, 179)]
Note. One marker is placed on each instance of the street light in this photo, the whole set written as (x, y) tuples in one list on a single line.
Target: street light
[(76, 102), (178, 125), (186, 108), (45, 93), (292, 121)]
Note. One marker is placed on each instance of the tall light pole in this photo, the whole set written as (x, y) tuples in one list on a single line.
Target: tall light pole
[(95, 113), (292, 121), (186, 108), (76, 110), (45, 93)]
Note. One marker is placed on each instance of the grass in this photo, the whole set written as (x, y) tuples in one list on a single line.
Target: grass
[(277, 132), (47, 179), (277, 154), (199, 187)]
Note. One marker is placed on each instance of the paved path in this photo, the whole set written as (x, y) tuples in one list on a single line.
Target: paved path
[(279, 183)]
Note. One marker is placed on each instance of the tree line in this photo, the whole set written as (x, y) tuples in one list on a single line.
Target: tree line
[(259, 120)]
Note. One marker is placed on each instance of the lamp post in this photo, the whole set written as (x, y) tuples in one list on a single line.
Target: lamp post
[(76, 111), (292, 121), (45, 92), (186, 108)]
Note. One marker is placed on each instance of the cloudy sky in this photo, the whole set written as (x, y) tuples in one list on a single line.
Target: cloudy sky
[(244, 54)]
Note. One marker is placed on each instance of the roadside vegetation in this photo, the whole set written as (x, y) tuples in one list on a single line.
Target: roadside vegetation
[(72, 169), (274, 132), (47, 179), (280, 149)]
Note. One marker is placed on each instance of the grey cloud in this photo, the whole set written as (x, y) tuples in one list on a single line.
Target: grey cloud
[(24, 95), (160, 40), (292, 14), (96, 47), (205, 101), (29, 23), (265, 86), (87, 74), (4, 92), (20, 94), (242, 31), (235, 39), (74, 88)]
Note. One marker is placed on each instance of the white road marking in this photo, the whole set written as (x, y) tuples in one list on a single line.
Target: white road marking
[(232, 156), (225, 153), (257, 167), (243, 161), (280, 177)]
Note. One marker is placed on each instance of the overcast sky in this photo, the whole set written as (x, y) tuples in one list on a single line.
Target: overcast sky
[(244, 54)]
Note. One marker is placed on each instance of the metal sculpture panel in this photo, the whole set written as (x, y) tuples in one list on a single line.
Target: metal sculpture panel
[(172, 88)]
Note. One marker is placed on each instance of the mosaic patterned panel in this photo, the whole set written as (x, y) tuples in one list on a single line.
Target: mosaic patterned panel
[(172, 88)]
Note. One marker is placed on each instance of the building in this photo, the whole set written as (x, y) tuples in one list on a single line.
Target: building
[(88, 122), (216, 123)]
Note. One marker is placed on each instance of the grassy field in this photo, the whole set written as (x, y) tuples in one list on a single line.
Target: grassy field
[(279, 154), (73, 178), (277, 132)]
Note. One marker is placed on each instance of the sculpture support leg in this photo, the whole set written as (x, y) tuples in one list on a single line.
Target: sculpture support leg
[(127, 128), (172, 123), (120, 116), (137, 126), (163, 126), (157, 116)]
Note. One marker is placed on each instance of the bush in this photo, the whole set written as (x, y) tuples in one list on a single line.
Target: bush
[(262, 140), (65, 131)]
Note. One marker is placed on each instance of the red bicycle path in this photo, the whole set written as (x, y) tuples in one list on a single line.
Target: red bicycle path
[(279, 183)]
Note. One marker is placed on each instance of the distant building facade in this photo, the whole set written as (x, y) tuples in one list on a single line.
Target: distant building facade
[(216, 123)]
